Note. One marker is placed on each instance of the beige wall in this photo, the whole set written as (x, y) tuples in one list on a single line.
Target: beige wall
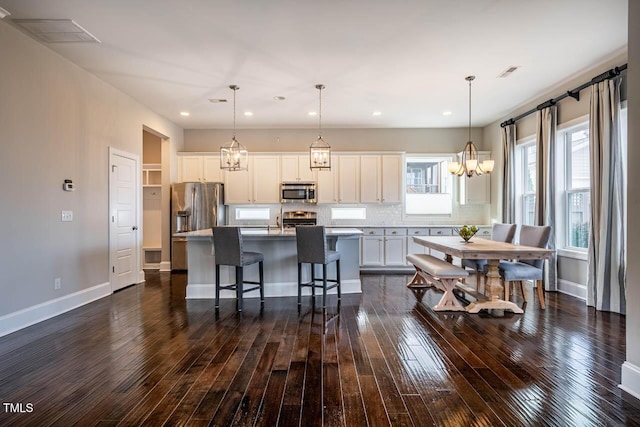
[(57, 121), (268, 140), (633, 191)]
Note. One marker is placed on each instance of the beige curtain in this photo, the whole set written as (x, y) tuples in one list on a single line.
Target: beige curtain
[(606, 285), (508, 134), (546, 184)]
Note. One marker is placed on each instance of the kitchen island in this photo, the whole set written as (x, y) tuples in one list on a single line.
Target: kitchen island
[(280, 262)]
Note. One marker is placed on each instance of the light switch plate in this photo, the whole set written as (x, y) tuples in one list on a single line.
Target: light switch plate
[(66, 216)]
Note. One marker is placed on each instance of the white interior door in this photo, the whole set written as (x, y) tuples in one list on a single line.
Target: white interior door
[(123, 225)]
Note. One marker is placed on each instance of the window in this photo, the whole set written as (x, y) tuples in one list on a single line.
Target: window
[(348, 213), (428, 186), (526, 182), (577, 185), (252, 213)]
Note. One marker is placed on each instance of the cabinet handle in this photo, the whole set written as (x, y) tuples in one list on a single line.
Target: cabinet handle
[(371, 232), (416, 232), (439, 232), (394, 232)]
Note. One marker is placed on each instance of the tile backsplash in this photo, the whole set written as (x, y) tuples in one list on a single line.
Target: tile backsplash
[(377, 215)]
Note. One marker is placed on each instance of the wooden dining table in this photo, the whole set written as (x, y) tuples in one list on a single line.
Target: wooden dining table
[(493, 252)]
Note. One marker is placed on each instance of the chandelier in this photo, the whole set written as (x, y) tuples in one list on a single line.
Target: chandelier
[(320, 151), (233, 155), (470, 163)]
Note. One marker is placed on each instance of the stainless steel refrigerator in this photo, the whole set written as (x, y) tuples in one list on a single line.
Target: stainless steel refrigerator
[(194, 206)]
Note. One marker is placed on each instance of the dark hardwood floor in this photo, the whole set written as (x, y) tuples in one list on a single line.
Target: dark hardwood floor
[(146, 356)]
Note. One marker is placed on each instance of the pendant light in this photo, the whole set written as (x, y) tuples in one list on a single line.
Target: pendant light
[(470, 163), (320, 151), (233, 155)]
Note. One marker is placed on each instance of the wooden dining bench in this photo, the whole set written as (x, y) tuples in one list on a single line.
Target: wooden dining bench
[(431, 271)]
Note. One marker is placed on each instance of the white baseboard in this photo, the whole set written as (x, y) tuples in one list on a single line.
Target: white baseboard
[(165, 266), (29, 316), (571, 288), (285, 289), (631, 379), (151, 266)]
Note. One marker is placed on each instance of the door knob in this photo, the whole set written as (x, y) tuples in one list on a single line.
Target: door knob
[(134, 228)]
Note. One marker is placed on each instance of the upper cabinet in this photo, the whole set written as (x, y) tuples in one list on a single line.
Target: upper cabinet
[(327, 186), (391, 178), (353, 177), (199, 168), (381, 178), (260, 183), (348, 178), (296, 167), (477, 189)]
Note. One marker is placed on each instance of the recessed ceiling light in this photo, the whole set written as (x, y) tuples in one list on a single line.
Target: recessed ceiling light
[(184, 113), (446, 113), (279, 98), (248, 113), (377, 113), (216, 100), (312, 113)]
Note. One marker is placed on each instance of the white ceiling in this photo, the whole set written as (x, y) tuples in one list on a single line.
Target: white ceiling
[(407, 59)]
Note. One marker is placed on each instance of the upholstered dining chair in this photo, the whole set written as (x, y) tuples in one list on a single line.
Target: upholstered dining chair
[(499, 233), (311, 241), (227, 244), (523, 270)]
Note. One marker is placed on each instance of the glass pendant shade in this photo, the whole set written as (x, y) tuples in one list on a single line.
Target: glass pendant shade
[(320, 151), (320, 155), (234, 156), (470, 163)]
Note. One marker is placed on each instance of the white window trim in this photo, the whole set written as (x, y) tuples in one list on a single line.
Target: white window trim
[(563, 229), (521, 178), (454, 188)]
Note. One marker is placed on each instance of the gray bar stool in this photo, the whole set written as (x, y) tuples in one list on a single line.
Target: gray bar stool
[(227, 244), (311, 241)]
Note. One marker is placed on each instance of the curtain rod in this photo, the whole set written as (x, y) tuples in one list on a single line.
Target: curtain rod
[(574, 93)]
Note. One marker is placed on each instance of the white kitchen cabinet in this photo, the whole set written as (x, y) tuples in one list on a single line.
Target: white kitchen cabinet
[(439, 231), (395, 247), (260, 183), (266, 179), (477, 189), (211, 171), (326, 189), (199, 168), (391, 178), (296, 167), (370, 179), (372, 242), (190, 168), (381, 178), (413, 247), (348, 178), (238, 187)]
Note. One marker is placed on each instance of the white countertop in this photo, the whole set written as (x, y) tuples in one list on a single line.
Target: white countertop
[(274, 232)]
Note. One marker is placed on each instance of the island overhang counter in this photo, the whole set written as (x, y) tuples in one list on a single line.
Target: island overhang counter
[(280, 262)]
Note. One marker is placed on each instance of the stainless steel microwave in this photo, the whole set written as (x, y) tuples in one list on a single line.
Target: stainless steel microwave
[(298, 192)]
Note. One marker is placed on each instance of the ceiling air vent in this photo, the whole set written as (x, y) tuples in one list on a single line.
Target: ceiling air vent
[(508, 71), (56, 30)]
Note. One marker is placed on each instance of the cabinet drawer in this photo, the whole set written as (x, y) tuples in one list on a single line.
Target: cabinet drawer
[(395, 231), (440, 231), (372, 232), (484, 232), (418, 232)]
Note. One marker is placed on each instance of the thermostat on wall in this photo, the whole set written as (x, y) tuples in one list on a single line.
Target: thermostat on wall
[(68, 185)]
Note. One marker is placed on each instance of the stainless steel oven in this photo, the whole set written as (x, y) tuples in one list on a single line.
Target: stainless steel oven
[(298, 192), (293, 218)]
